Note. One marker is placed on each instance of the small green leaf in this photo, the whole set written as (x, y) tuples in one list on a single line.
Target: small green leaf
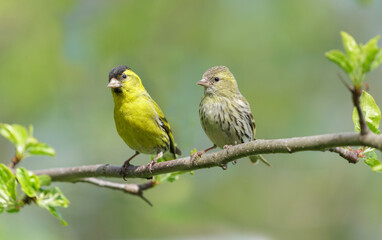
[(38, 148), (369, 53), (16, 134), (50, 199), (8, 198), (24, 141), (58, 215), (193, 151), (170, 177), (173, 178), (29, 182), (7, 182), (6, 131), (340, 59), (377, 61), (371, 159), (372, 113), (350, 45), (45, 180)]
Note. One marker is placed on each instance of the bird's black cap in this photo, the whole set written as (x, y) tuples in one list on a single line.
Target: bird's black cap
[(118, 70)]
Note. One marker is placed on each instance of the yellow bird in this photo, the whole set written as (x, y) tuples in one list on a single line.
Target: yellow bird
[(138, 119)]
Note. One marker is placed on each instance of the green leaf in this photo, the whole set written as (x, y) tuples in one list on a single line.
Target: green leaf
[(340, 59), (52, 198), (29, 182), (371, 159), (351, 47), (369, 53), (377, 61), (16, 134), (24, 141), (173, 178), (372, 113), (170, 177), (38, 148), (57, 214), (359, 59), (7, 181), (45, 180), (193, 151), (7, 132), (8, 197)]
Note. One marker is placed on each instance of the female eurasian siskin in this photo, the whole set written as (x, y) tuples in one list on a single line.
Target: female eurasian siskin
[(224, 113), (138, 119)]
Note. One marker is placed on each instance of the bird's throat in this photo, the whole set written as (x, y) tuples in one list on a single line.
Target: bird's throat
[(117, 90)]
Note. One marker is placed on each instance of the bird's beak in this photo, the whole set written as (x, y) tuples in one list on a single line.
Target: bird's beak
[(204, 83), (114, 83)]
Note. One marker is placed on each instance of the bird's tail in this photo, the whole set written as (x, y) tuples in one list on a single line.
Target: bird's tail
[(178, 151), (255, 158)]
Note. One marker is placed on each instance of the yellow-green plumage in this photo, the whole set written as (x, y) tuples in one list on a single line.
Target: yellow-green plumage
[(224, 113), (138, 119)]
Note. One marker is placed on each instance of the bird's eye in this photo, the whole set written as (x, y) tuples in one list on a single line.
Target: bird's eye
[(124, 76), (217, 79)]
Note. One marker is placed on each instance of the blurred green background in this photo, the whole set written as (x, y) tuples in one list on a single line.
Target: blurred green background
[(55, 57)]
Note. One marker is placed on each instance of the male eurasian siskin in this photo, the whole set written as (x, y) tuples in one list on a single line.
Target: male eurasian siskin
[(224, 113), (138, 119)]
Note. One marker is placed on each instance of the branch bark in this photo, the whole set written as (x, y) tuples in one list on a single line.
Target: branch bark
[(356, 97), (131, 188), (350, 156), (221, 158)]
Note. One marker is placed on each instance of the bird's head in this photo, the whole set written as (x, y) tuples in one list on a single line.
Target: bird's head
[(122, 79), (218, 80)]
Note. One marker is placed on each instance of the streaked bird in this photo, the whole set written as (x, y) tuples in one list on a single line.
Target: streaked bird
[(224, 113)]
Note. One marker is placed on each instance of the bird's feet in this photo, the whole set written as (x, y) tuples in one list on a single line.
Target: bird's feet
[(195, 156), (150, 166), (227, 147), (155, 160), (124, 168), (126, 165)]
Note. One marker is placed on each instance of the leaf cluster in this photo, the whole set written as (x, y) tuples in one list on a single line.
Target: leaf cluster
[(33, 187), (358, 59), (24, 142)]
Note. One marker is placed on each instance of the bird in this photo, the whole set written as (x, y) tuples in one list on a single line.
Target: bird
[(225, 114), (138, 119)]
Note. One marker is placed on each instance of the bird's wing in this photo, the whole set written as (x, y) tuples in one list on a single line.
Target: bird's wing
[(249, 116), (166, 126), (251, 123)]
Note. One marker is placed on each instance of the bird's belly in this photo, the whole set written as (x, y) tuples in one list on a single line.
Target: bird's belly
[(218, 127), (140, 131)]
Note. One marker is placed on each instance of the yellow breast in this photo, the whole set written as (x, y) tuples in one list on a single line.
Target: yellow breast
[(138, 124)]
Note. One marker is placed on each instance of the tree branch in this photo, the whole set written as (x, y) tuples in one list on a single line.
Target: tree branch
[(356, 93), (14, 162), (356, 97), (131, 188), (350, 156), (221, 158)]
